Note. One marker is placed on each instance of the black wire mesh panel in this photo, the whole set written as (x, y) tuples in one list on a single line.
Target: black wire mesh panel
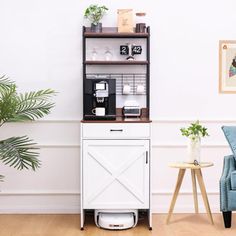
[(126, 84)]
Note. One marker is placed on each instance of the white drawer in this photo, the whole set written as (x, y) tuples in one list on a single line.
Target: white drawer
[(116, 130)]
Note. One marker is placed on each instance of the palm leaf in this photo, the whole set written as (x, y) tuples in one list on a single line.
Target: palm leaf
[(36, 95), (5, 83), (33, 105), (8, 103), (32, 110), (19, 152), (1, 178)]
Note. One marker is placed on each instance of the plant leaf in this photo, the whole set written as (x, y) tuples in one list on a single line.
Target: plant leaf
[(94, 13), (194, 130), (1, 178), (33, 105), (19, 152), (8, 103), (5, 83)]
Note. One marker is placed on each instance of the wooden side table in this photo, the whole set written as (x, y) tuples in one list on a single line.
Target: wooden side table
[(195, 171)]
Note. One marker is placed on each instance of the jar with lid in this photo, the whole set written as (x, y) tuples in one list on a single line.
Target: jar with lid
[(140, 22)]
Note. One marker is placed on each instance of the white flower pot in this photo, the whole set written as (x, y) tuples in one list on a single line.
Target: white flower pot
[(194, 150)]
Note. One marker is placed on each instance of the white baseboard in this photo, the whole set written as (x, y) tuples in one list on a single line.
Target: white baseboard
[(57, 203)]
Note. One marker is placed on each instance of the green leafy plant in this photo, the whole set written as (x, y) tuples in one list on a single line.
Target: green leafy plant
[(20, 152), (194, 131), (94, 13)]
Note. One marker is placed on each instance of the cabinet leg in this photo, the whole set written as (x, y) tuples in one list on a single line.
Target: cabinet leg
[(82, 217), (204, 194), (194, 190), (175, 195), (150, 219), (227, 216)]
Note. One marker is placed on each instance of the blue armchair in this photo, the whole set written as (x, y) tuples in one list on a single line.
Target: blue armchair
[(228, 178), (228, 189)]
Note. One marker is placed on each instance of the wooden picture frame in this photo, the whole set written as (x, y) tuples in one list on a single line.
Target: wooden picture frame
[(227, 66)]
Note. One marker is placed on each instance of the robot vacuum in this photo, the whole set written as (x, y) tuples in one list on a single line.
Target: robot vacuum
[(116, 219)]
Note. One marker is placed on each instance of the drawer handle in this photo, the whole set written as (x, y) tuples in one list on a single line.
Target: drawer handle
[(116, 130)]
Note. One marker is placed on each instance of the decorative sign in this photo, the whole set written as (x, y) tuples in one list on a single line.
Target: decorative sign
[(125, 20), (124, 50), (136, 49)]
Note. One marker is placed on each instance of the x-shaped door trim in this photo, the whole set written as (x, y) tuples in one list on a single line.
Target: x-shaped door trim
[(115, 175)]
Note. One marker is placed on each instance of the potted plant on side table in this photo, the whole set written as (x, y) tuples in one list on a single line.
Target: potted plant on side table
[(194, 132), (94, 13)]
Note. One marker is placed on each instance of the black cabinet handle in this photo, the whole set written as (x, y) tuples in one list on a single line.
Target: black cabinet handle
[(146, 157), (116, 130)]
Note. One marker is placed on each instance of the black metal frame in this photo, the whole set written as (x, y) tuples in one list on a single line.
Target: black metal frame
[(106, 34), (84, 66)]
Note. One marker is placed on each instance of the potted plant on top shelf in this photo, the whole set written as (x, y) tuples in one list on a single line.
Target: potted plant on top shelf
[(194, 132), (94, 13)]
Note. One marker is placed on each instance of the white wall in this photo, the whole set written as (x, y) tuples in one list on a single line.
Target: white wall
[(40, 47)]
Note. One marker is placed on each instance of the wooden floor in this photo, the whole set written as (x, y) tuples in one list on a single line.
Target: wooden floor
[(68, 225)]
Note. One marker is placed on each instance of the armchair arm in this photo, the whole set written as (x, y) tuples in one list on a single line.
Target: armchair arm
[(225, 185)]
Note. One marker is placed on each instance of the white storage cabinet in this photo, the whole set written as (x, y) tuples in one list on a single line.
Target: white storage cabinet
[(115, 167)]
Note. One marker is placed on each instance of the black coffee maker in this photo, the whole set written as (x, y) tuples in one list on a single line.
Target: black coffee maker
[(100, 99)]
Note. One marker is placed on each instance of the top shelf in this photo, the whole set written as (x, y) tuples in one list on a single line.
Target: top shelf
[(112, 32)]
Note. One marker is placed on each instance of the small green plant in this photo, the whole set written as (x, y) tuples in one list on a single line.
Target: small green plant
[(195, 131), (94, 13)]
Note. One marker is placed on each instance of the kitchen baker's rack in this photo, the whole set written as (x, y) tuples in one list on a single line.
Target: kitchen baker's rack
[(133, 79)]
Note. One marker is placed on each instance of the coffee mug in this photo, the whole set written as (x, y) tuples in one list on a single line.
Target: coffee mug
[(126, 89), (140, 89), (99, 111)]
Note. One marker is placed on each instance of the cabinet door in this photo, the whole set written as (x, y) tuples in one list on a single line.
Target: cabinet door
[(115, 174)]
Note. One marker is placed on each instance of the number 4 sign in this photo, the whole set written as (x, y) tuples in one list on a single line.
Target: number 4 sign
[(136, 50)]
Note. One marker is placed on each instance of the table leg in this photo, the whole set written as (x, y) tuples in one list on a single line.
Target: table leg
[(177, 188), (194, 190), (204, 194)]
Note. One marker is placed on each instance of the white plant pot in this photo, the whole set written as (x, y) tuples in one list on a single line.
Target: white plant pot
[(194, 150)]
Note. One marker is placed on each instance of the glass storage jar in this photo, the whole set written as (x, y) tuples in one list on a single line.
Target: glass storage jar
[(140, 22)]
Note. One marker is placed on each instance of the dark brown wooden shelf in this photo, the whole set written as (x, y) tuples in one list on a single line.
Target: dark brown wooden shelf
[(112, 32), (120, 120), (116, 62)]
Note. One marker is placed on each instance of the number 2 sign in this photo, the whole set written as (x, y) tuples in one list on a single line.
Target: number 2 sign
[(124, 50)]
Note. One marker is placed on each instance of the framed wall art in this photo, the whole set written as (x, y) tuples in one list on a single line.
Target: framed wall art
[(227, 66)]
